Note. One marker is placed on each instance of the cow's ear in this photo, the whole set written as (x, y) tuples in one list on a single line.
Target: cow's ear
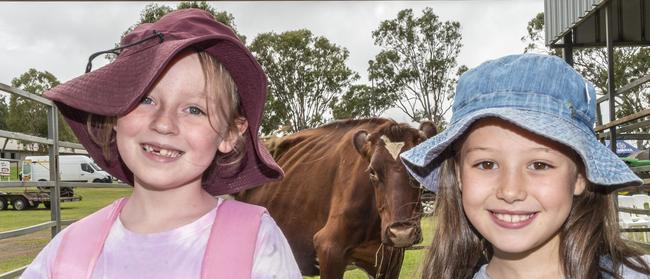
[(428, 129), (359, 140)]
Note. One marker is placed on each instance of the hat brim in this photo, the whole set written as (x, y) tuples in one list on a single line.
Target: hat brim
[(423, 161), (116, 88)]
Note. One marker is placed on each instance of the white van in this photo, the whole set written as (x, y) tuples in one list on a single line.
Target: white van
[(76, 168)]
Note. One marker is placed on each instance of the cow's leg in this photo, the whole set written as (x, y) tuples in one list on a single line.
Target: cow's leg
[(331, 255)]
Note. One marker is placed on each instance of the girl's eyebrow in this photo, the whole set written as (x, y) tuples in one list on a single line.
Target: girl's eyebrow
[(484, 148), (194, 95), (477, 148)]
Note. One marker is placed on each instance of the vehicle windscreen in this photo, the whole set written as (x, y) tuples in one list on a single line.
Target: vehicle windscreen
[(95, 166)]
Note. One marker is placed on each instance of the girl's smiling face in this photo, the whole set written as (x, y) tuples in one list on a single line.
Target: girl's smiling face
[(167, 141), (517, 187)]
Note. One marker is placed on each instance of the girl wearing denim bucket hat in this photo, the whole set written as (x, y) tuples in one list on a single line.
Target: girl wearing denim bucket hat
[(176, 115), (523, 186)]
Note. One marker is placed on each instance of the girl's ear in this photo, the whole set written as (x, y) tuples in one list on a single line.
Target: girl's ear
[(228, 143), (580, 185)]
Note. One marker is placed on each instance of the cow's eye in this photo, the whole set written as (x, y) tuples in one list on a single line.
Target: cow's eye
[(373, 175), (414, 183)]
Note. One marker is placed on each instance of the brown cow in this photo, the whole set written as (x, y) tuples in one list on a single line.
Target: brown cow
[(346, 198)]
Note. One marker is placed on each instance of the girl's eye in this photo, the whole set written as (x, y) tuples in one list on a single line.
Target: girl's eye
[(539, 166), (146, 101), (486, 165), (195, 110)]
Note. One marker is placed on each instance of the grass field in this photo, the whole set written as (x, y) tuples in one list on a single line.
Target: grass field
[(17, 252)]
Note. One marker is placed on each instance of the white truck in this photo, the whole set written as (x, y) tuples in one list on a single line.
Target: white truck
[(72, 168)]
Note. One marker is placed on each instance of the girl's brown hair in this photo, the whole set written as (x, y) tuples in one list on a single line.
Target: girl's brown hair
[(590, 234), (226, 105), (223, 110)]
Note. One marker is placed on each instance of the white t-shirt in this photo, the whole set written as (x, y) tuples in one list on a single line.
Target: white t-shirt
[(624, 271), (177, 253)]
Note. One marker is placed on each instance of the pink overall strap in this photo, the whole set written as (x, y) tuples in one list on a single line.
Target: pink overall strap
[(231, 246), (83, 242)]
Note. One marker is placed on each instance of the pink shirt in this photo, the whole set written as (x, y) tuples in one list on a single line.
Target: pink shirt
[(177, 253)]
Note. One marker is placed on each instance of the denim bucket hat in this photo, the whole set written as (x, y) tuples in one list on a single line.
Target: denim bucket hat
[(539, 93)]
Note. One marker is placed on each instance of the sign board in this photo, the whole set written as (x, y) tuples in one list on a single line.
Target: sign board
[(5, 168), (623, 148)]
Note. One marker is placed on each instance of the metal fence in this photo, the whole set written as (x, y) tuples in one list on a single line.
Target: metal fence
[(623, 128), (54, 185)]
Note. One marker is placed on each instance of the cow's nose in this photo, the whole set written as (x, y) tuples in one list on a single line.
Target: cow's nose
[(404, 235)]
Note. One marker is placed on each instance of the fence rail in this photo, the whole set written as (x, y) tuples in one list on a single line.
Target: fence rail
[(14, 273), (54, 184), (50, 184), (33, 229)]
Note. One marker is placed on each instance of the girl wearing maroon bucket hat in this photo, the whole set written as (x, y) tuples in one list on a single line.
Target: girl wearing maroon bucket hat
[(176, 115)]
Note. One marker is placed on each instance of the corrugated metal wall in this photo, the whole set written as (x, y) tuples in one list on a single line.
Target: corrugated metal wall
[(560, 15), (630, 22)]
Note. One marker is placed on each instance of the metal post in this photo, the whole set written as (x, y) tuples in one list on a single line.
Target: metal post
[(4, 145), (609, 34), (55, 192), (567, 51), (611, 90)]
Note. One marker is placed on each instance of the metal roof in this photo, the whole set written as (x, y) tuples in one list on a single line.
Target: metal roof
[(630, 18)]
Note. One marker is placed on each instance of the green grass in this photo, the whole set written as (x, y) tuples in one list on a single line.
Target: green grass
[(12, 263), (13, 173), (94, 199), (22, 250)]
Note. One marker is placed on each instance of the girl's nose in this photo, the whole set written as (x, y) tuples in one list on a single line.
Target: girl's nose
[(164, 122), (512, 188)]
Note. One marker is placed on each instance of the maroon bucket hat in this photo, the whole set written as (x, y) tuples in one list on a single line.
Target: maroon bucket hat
[(117, 88)]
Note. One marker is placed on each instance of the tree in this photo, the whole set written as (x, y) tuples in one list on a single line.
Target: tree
[(153, 12), (417, 63), (29, 117), (4, 113), (630, 63), (534, 38), (306, 75), (362, 101)]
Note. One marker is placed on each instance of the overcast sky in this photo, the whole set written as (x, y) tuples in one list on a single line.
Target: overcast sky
[(58, 37)]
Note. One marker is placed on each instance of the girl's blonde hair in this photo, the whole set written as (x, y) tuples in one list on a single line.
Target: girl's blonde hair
[(223, 110), (590, 234)]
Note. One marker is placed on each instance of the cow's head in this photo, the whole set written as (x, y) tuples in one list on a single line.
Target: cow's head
[(396, 193)]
